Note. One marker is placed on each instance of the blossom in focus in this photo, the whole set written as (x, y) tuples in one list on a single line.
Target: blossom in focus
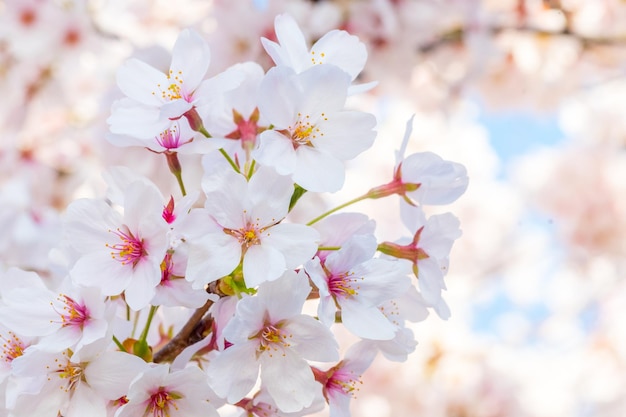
[(270, 332), (354, 282), (154, 98), (72, 317), (242, 222), (160, 392), (312, 133), (119, 253), (423, 177), (341, 382), (428, 252), (50, 384), (336, 47)]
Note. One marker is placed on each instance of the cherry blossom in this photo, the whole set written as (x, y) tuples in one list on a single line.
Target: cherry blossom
[(269, 332), (243, 222), (313, 134), (159, 392), (120, 253), (351, 280)]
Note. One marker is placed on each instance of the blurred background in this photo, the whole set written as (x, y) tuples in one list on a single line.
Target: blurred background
[(530, 95)]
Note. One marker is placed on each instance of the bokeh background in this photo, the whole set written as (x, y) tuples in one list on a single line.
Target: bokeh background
[(530, 95)]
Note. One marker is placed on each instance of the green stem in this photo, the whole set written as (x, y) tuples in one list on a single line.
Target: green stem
[(230, 160), (144, 334), (181, 184), (339, 207), (204, 132), (251, 170), (119, 344), (329, 248)]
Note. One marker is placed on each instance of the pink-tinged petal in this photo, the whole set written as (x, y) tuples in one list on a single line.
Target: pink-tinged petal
[(439, 235), (143, 205), (276, 150), (87, 223), (325, 89), (339, 48), (234, 371), (327, 310), (28, 312), (284, 297), (131, 118), (141, 81), (336, 229), (174, 109), (311, 339), (317, 274), (280, 94), (141, 288), (430, 280), (339, 404), (355, 251), (211, 258), (226, 198), (289, 381), (366, 322), (268, 187), (63, 338), (355, 89), (297, 242), (195, 408), (190, 59), (318, 171), (383, 280), (85, 398), (399, 347), (442, 181), (262, 263), (97, 269), (347, 134), (292, 48)]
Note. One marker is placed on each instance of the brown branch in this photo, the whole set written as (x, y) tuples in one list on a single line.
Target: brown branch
[(193, 331), (456, 35)]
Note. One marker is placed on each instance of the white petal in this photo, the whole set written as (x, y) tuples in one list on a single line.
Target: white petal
[(191, 56), (262, 263), (140, 81), (276, 150), (318, 171)]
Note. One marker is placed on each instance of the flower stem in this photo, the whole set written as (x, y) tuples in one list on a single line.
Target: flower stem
[(144, 333), (321, 248), (174, 164), (230, 160), (119, 344), (339, 207)]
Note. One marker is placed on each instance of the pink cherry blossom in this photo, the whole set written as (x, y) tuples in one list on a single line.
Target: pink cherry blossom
[(242, 222), (312, 134), (270, 332), (159, 392), (354, 282), (119, 253)]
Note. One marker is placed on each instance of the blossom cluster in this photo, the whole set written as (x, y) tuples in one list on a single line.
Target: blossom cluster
[(254, 293)]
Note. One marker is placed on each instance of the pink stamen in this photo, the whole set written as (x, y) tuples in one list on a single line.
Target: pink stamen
[(73, 314), (130, 250), (160, 402), (12, 347)]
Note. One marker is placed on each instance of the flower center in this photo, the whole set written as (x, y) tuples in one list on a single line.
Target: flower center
[(343, 285), (12, 347), (130, 250), (272, 339), (304, 132), (160, 402), (71, 373), (343, 382), (174, 90), (317, 59), (170, 138), (73, 313)]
